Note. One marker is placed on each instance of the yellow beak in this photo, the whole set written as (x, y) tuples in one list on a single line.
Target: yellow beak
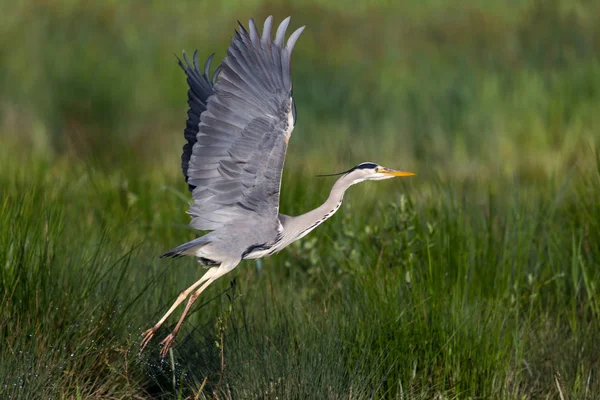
[(392, 172)]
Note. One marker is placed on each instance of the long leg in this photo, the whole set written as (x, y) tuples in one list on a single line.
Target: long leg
[(168, 341), (182, 296)]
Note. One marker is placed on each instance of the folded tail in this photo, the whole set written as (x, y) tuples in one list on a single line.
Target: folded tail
[(186, 249)]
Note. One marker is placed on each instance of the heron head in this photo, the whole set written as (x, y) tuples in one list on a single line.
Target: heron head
[(368, 171)]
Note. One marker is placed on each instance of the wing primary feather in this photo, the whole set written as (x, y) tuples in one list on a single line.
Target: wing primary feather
[(267, 62), (242, 29), (206, 64), (187, 61), (216, 74), (253, 32), (195, 58), (293, 38), (200, 88), (280, 35), (260, 61), (266, 46), (248, 60), (243, 40), (266, 34), (179, 61)]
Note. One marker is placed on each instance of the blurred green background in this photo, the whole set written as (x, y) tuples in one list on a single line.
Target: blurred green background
[(470, 89), (475, 279)]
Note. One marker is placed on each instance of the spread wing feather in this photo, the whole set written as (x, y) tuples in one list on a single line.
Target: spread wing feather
[(200, 88), (239, 149)]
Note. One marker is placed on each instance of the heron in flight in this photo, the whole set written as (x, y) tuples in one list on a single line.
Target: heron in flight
[(239, 124)]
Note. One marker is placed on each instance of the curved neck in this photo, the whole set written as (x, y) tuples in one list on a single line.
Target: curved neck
[(295, 228)]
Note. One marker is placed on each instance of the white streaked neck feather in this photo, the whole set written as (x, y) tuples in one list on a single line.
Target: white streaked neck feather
[(295, 228)]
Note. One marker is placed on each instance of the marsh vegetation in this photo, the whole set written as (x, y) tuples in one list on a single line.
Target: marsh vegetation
[(476, 279)]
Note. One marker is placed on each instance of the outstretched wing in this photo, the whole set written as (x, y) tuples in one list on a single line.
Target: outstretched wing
[(237, 161), (201, 88)]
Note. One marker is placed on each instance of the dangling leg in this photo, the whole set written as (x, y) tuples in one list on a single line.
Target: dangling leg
[(168, 341), (182, 296)]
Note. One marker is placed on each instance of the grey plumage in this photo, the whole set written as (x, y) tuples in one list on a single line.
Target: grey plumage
[(244, 133), (239, 150), (239, 124)]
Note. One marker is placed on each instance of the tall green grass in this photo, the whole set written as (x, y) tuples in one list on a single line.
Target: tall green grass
[(476, 279), (452, 294)]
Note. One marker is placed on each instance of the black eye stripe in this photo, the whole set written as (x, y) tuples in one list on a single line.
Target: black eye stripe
[(365, 165)]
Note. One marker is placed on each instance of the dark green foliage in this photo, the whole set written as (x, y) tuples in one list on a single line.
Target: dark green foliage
[(449, 294)]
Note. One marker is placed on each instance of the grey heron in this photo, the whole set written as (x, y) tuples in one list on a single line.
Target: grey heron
[(239, 124)]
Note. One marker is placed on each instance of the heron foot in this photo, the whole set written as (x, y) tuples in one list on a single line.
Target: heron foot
[(166, 344), (148, 335)]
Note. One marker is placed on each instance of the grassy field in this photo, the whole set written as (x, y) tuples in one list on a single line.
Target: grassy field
[(478, 278)]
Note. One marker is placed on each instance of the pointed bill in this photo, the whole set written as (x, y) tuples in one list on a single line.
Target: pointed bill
[(393, 172)]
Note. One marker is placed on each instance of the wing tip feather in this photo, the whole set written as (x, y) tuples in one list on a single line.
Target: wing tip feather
[(254, 38), (280, 35), (206, 64), (267, 30), (293, 39)]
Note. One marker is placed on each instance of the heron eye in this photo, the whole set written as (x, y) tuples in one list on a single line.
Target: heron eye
[(377, 169)]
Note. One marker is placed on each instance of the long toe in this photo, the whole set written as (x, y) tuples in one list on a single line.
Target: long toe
[(166, 345), (148, 335)]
